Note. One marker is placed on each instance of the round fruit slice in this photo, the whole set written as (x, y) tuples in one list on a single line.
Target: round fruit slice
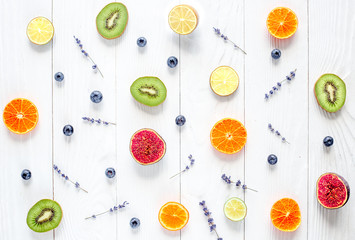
[(228, 136), (183, 19), (224, 81), (149, 91), (286, 215), (333, 191), (112, 20), (282, 22), (44, 216), (173, 216), (235, 209), (20, 116), (147, 146), (40, 31), (330, 92)]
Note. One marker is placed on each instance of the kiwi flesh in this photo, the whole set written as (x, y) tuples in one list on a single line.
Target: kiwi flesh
[(150, 91), (112, 20), (330, 92), (44, 216)]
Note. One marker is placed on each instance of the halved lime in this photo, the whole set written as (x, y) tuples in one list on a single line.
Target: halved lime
[(235, 209)]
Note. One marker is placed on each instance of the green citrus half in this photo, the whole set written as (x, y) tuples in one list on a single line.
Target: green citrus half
[(235, 209)]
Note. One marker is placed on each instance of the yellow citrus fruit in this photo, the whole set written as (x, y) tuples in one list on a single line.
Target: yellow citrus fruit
[(224, 81), (183, 19), (235, 209), (40, 31)]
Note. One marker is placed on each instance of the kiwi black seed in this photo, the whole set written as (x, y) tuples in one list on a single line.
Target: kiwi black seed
[(150, 91), (330, 92), (44, 216), (112, 20)]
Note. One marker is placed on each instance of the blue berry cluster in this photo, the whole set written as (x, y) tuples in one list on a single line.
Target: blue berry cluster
[(113, 209), (76, 184), (277, 133), (279, 84), (237, 183), (98, 121), (225, 38), (210, 220), (192, 162)]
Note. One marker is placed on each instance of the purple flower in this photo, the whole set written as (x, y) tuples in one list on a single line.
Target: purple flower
[(225, 38), (76, 184), (115, 208), (288, 78), (210, 220), (237, 183)]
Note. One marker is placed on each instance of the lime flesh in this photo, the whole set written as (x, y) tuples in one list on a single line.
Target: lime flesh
[(235, 209)]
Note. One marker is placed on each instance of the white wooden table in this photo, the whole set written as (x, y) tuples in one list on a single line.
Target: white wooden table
[(324, 43)]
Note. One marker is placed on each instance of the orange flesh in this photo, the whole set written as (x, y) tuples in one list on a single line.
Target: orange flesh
[(173, 216), (282, 22), (286, 215)]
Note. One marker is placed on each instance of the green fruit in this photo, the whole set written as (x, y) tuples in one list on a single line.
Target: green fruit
[(330, 91), (235, 209), (112, 20), (150, 91), (44, 216)]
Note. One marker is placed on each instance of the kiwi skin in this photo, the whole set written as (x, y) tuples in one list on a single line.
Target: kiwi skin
[(314, 91), (124, 26)]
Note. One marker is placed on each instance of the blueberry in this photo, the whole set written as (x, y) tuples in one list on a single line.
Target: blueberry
[(328, 141), (110, 172), (180, 120), (135, 223), (26, 174), (59, 76), (272, 159), (141, 42), (172, 62), (96, 96), (276, 53), (68, 130)]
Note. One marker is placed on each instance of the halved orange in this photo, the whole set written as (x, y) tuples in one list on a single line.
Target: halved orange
[(286, 215), (183, 19), (20, 116), (173, 216), (282, 22), (228, 136)]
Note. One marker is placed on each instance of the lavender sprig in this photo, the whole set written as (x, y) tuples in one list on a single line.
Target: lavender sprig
[(237, 183), (210, 220), (114, 208), (225, 38), (277, 133), (94, 66), (76, 184), (192, 162), (278, 84), (98, 121)]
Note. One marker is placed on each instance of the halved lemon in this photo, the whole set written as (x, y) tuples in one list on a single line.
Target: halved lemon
[(40, 31), (235, 209), (183, 19), (224, 81)]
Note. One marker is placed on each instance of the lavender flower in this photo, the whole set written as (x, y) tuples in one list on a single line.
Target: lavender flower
[(98, 121), (192, 162), (85, 53), (225, 38), (277, 133), (210, 220), (279, 84), (76, 184), (114, 208), (238, 183)]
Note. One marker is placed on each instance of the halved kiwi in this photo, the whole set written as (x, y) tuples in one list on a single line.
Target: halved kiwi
[(330, 92), (112, 20), (44, 216), (150, 91)]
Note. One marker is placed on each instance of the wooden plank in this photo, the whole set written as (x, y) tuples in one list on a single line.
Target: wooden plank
[(202, 52), (25, 72), (331, 50), (287, 111)]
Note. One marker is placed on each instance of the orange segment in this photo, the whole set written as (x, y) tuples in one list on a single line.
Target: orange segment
[(228, 136), (282, 22), (286, 215), (173, 216), (183, 19), (20, 116)]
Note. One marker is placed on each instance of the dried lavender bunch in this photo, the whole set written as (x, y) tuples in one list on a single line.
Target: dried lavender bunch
[(210, 220), (114, 208), (277, 133), (238, 183), (279, 84), (94, 66), (192, 162), (98, 121), (76, 184), (225, 38)]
